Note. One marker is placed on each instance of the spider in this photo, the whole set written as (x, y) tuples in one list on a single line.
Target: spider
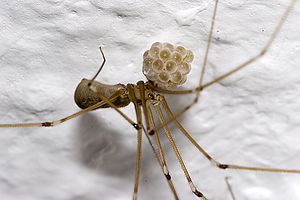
[(148, 97)]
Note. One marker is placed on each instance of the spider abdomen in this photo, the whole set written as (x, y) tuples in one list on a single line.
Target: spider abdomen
[(85, 97)]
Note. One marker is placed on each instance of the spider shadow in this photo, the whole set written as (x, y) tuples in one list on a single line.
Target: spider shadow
[(103, 149)]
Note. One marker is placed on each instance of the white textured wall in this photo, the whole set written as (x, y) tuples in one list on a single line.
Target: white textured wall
[(251, 118)]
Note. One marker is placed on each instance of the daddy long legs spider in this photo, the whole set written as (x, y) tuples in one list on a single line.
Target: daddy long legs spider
[(158, 111)]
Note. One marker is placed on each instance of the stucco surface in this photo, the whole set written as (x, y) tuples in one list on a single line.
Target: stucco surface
[(251, 118)]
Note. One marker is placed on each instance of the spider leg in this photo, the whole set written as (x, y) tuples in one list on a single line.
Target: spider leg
[(139, 141), (179, 158), (59, 121), (210, 158), (261, 53), (105, 100), (141, 87), (160, 154), (150, 122), (204, 64), (102, 65), (162, 159)]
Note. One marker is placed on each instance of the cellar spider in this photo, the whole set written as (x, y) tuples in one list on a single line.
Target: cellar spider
[(148, 96)]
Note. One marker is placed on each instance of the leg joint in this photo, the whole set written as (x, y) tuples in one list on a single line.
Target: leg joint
[(136, 126), (168, 176), (47, 124), (151, 132), (222, 166)]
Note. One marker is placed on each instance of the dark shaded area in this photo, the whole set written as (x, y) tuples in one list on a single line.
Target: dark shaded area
[(100, 148), (103, 149)]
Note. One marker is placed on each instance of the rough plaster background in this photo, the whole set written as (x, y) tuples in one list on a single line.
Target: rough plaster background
[(251, 118)]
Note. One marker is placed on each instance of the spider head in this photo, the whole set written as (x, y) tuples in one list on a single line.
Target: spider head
[(167, 65)]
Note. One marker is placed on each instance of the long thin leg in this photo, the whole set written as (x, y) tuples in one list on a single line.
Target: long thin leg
[(139, 153), (143, 98), (59, 121), (163, 166), (175, 149), (139, 120), (102, 65), (201, 87), (105, 100), (230, 188), (261, 53), (162, 159), (210, 158), (150, 122), (207, 47), (139, 142), (170, 183)]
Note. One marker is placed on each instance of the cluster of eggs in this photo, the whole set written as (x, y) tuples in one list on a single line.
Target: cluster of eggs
[(167, 65)]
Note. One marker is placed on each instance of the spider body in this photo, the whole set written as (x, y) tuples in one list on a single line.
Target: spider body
[(85, 96)]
